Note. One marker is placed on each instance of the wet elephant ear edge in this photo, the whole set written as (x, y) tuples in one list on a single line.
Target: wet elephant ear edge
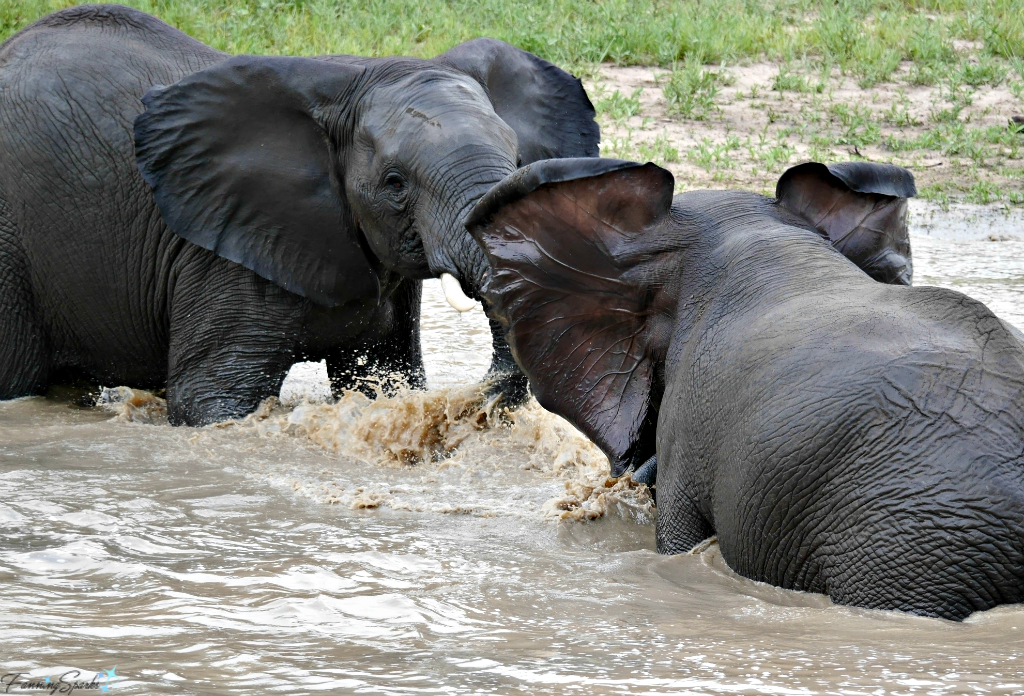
[(556, 234), (860, 207)]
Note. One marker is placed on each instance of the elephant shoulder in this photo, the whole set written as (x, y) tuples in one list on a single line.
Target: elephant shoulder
[(82, 71), (954, 313), (99, 18), (959, 361)]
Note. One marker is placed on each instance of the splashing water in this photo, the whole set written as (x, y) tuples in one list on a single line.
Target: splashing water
[(425, 542), (453, 440)]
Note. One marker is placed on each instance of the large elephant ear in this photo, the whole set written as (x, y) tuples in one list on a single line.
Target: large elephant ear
[(861, 207), (547, 107), (240, 163), (558, 235)]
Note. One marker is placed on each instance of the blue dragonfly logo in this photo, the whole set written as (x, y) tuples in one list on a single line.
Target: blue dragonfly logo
[(109, 676)]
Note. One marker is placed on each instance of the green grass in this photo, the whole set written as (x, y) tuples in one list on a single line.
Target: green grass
[(898, 114), (864, 38), (856, 125), (660, 150), (960, 46), (958, 139), (773, 156), (971, 188), (690, 89), (713, 156), (788, 81), (616, 106)]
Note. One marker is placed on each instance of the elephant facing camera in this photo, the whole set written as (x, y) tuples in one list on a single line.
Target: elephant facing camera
[(247, 212)]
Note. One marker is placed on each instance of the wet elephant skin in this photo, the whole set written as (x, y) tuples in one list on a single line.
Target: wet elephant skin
[(838, 435), (174, 216)]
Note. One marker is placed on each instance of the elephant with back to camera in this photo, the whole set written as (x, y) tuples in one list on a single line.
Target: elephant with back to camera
[(174, 216), (838, 435)]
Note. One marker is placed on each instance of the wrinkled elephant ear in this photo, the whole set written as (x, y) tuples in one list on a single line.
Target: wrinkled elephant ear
[(557, 234), (547, 107), (861, 207), (240, 163)]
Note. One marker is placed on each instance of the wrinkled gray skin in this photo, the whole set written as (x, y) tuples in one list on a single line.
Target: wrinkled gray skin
[(173, 216), (859, 207), (837, 434)]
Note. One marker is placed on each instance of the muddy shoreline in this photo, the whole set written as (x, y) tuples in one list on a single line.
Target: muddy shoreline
[(745, 126)]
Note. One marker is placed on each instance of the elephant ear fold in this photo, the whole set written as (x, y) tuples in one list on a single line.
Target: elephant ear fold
[(547, 107), (861, 207), (241, 163), (558, 236)]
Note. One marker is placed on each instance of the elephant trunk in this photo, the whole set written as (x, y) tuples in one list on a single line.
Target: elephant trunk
[(463, 266), (455, 254)]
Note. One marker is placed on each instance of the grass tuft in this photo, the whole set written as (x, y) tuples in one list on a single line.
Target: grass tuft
[(691, 89), (617, 107)]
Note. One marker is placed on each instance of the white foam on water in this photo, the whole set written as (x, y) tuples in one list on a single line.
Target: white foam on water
[(443, 450), (306, 381)]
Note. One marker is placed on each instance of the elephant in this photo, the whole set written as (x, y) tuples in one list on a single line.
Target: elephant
[(861, 209), (175, 217), (879, 243), (837, 435)]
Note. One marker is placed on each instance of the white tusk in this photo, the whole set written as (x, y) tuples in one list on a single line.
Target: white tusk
[(453, 293)]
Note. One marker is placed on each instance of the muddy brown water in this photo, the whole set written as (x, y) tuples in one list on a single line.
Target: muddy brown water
[(425, 544)]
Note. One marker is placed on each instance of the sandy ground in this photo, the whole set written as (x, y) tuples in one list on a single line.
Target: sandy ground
[(754, 132)]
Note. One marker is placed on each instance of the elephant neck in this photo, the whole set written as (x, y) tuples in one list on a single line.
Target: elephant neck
[(743, 261)]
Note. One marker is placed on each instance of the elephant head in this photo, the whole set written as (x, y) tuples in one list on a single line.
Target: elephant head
[(589, 258), (326, 174), (861, 207)]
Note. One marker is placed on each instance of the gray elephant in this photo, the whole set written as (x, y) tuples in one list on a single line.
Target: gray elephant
[(174, 216), (861, 208), (838, 435)]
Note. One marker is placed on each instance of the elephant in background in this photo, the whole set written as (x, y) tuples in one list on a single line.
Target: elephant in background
[(174, 216), (861, 208), (838, 435)]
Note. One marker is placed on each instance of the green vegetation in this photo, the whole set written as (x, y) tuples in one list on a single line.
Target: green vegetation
[(690, 89), (715, 156), (616, 106), (850, 125), (956, 49), (773, 155), (659, 150), (864, 38), (788, 81)]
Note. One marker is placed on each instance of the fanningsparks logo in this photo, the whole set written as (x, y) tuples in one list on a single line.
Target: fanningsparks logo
[(66, 683)]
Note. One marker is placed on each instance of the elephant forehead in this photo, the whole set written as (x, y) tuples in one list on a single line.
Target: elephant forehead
[(434, 106)]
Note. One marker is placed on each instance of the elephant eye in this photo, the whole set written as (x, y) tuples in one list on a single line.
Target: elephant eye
[(394, 182), (394, 190)]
